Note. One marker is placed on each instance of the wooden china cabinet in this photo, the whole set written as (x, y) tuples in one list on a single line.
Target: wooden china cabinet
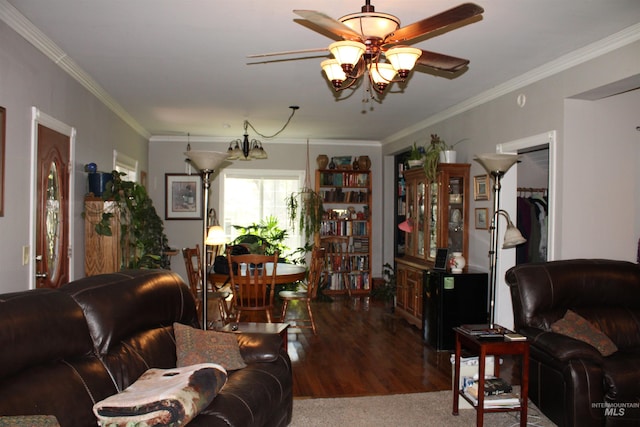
[(438, 213)]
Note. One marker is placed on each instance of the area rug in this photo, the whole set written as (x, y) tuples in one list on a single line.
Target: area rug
[(399, 410)]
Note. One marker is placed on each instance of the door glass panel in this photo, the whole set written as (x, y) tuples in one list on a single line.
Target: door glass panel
[(53, 225), (421, 217), (433, 220), (456, 213)]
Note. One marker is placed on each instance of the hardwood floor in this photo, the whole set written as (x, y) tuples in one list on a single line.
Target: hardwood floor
[(361, 350)]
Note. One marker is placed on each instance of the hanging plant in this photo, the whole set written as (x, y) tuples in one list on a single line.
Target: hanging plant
[(305, 209)]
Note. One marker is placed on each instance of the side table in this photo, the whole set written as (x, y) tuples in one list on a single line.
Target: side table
[(260, 328), (484, 348)]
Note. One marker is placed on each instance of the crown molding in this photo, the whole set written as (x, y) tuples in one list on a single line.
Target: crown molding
[(20, 24), (577, 57)]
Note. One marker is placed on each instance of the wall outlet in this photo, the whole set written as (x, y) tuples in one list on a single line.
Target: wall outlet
[(25, 255)]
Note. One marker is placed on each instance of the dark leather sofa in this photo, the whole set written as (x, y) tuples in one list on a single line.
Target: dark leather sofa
[(570, 381), (64, 350)]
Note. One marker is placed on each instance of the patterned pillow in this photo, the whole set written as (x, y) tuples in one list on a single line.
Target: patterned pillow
[(198, 346), (576, 326), (29, 421)]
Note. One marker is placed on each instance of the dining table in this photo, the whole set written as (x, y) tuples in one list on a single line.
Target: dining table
[(285, 273)]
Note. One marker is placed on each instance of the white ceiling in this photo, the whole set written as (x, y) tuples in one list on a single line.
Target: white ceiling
[(180, 66)]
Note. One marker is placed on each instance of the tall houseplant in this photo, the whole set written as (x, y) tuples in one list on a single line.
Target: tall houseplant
[(433, 152), (142, 238)]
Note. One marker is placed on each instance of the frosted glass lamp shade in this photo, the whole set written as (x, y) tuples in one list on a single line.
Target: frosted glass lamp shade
[(206, 160), (371, 24), (403, 59), (347, 53), (216, 236), (496, 163), (334, 72)]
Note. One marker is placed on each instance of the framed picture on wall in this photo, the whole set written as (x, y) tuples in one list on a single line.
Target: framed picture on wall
[(3, 122), (481, 187), (482, 218), (182, 196)]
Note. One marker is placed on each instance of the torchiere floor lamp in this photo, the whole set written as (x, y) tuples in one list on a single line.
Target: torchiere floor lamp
[(496, 165), (206, 162)]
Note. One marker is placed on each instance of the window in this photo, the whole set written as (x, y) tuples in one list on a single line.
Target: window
[(250, 196), (127, 165)]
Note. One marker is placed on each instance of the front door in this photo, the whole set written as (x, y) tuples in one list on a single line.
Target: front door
[(52, 213)]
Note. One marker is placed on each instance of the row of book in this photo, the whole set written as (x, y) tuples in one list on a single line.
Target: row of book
[(355, 281), (343, 228), (344, 179), (346, 263), (337, 195), (498, 393)]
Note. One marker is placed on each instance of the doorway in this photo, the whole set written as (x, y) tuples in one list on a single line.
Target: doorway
[(52, 144)]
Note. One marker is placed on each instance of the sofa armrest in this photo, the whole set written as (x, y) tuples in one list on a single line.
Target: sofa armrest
[(561, 347), (259, 347)]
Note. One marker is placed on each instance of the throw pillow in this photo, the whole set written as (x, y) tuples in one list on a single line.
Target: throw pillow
[(576, 326), (199, 346), (168, 397), (29, 421)]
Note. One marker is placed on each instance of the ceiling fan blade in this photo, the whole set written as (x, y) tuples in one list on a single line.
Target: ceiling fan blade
[(328, 24), (436, 23), (441, 62), (288, 52)]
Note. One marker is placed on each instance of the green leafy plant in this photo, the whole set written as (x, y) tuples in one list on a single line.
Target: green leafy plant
[(265, 237), (432, 155), (307, 208), (416, 152), (387, 291), (142, 239)]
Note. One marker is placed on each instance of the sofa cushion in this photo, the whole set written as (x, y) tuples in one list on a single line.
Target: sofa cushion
[(577, 327), (163, 397), (200, 346)]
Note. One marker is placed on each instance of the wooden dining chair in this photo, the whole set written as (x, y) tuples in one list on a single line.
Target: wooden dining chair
[(193, 264), (305, 295), (337, 261), (252, 283)]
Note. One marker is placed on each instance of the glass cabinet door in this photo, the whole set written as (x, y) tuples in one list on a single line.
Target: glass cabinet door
[(433, 220), (456, 186), (411, 215), (421, 226)]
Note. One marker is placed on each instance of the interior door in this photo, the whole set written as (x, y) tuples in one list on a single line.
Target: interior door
[(52, 212)]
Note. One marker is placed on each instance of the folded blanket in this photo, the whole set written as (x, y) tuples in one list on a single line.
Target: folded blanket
[(163, 397)]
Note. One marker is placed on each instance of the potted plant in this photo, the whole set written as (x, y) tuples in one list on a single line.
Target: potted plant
[(438, 151), (387, 291), (416, 156), (308, 211), (142, 239)]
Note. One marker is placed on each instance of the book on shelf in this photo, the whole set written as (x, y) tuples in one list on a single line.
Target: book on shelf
[(506, 400)]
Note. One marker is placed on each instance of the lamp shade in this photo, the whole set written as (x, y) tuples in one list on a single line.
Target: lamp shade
[(371, 24), (216, 236), (333, 71), (382, 73), (403, 59), (347, 53), (206, 160), (406, 226), (512, 236), (496, 163)]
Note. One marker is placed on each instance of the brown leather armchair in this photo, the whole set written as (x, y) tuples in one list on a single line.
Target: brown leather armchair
[(570, 381)]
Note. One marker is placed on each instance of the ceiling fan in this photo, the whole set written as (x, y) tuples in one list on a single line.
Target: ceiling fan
[(367, 37)]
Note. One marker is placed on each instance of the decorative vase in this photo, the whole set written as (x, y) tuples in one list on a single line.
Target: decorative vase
[(355, 166), (457, 262), (332, 164), (364, 163), (448, 156), (322, 160)]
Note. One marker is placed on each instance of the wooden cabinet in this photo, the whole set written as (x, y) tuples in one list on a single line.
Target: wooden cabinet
[(438, 216), (102, 254), (346, 195)]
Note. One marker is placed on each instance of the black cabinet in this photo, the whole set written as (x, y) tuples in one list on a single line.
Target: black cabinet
[(450, 300)]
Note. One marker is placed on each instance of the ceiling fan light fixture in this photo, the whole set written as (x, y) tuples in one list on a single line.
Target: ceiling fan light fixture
[(347, 53), (334, 72), (403, 59), (381, 74), (371, 24)]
